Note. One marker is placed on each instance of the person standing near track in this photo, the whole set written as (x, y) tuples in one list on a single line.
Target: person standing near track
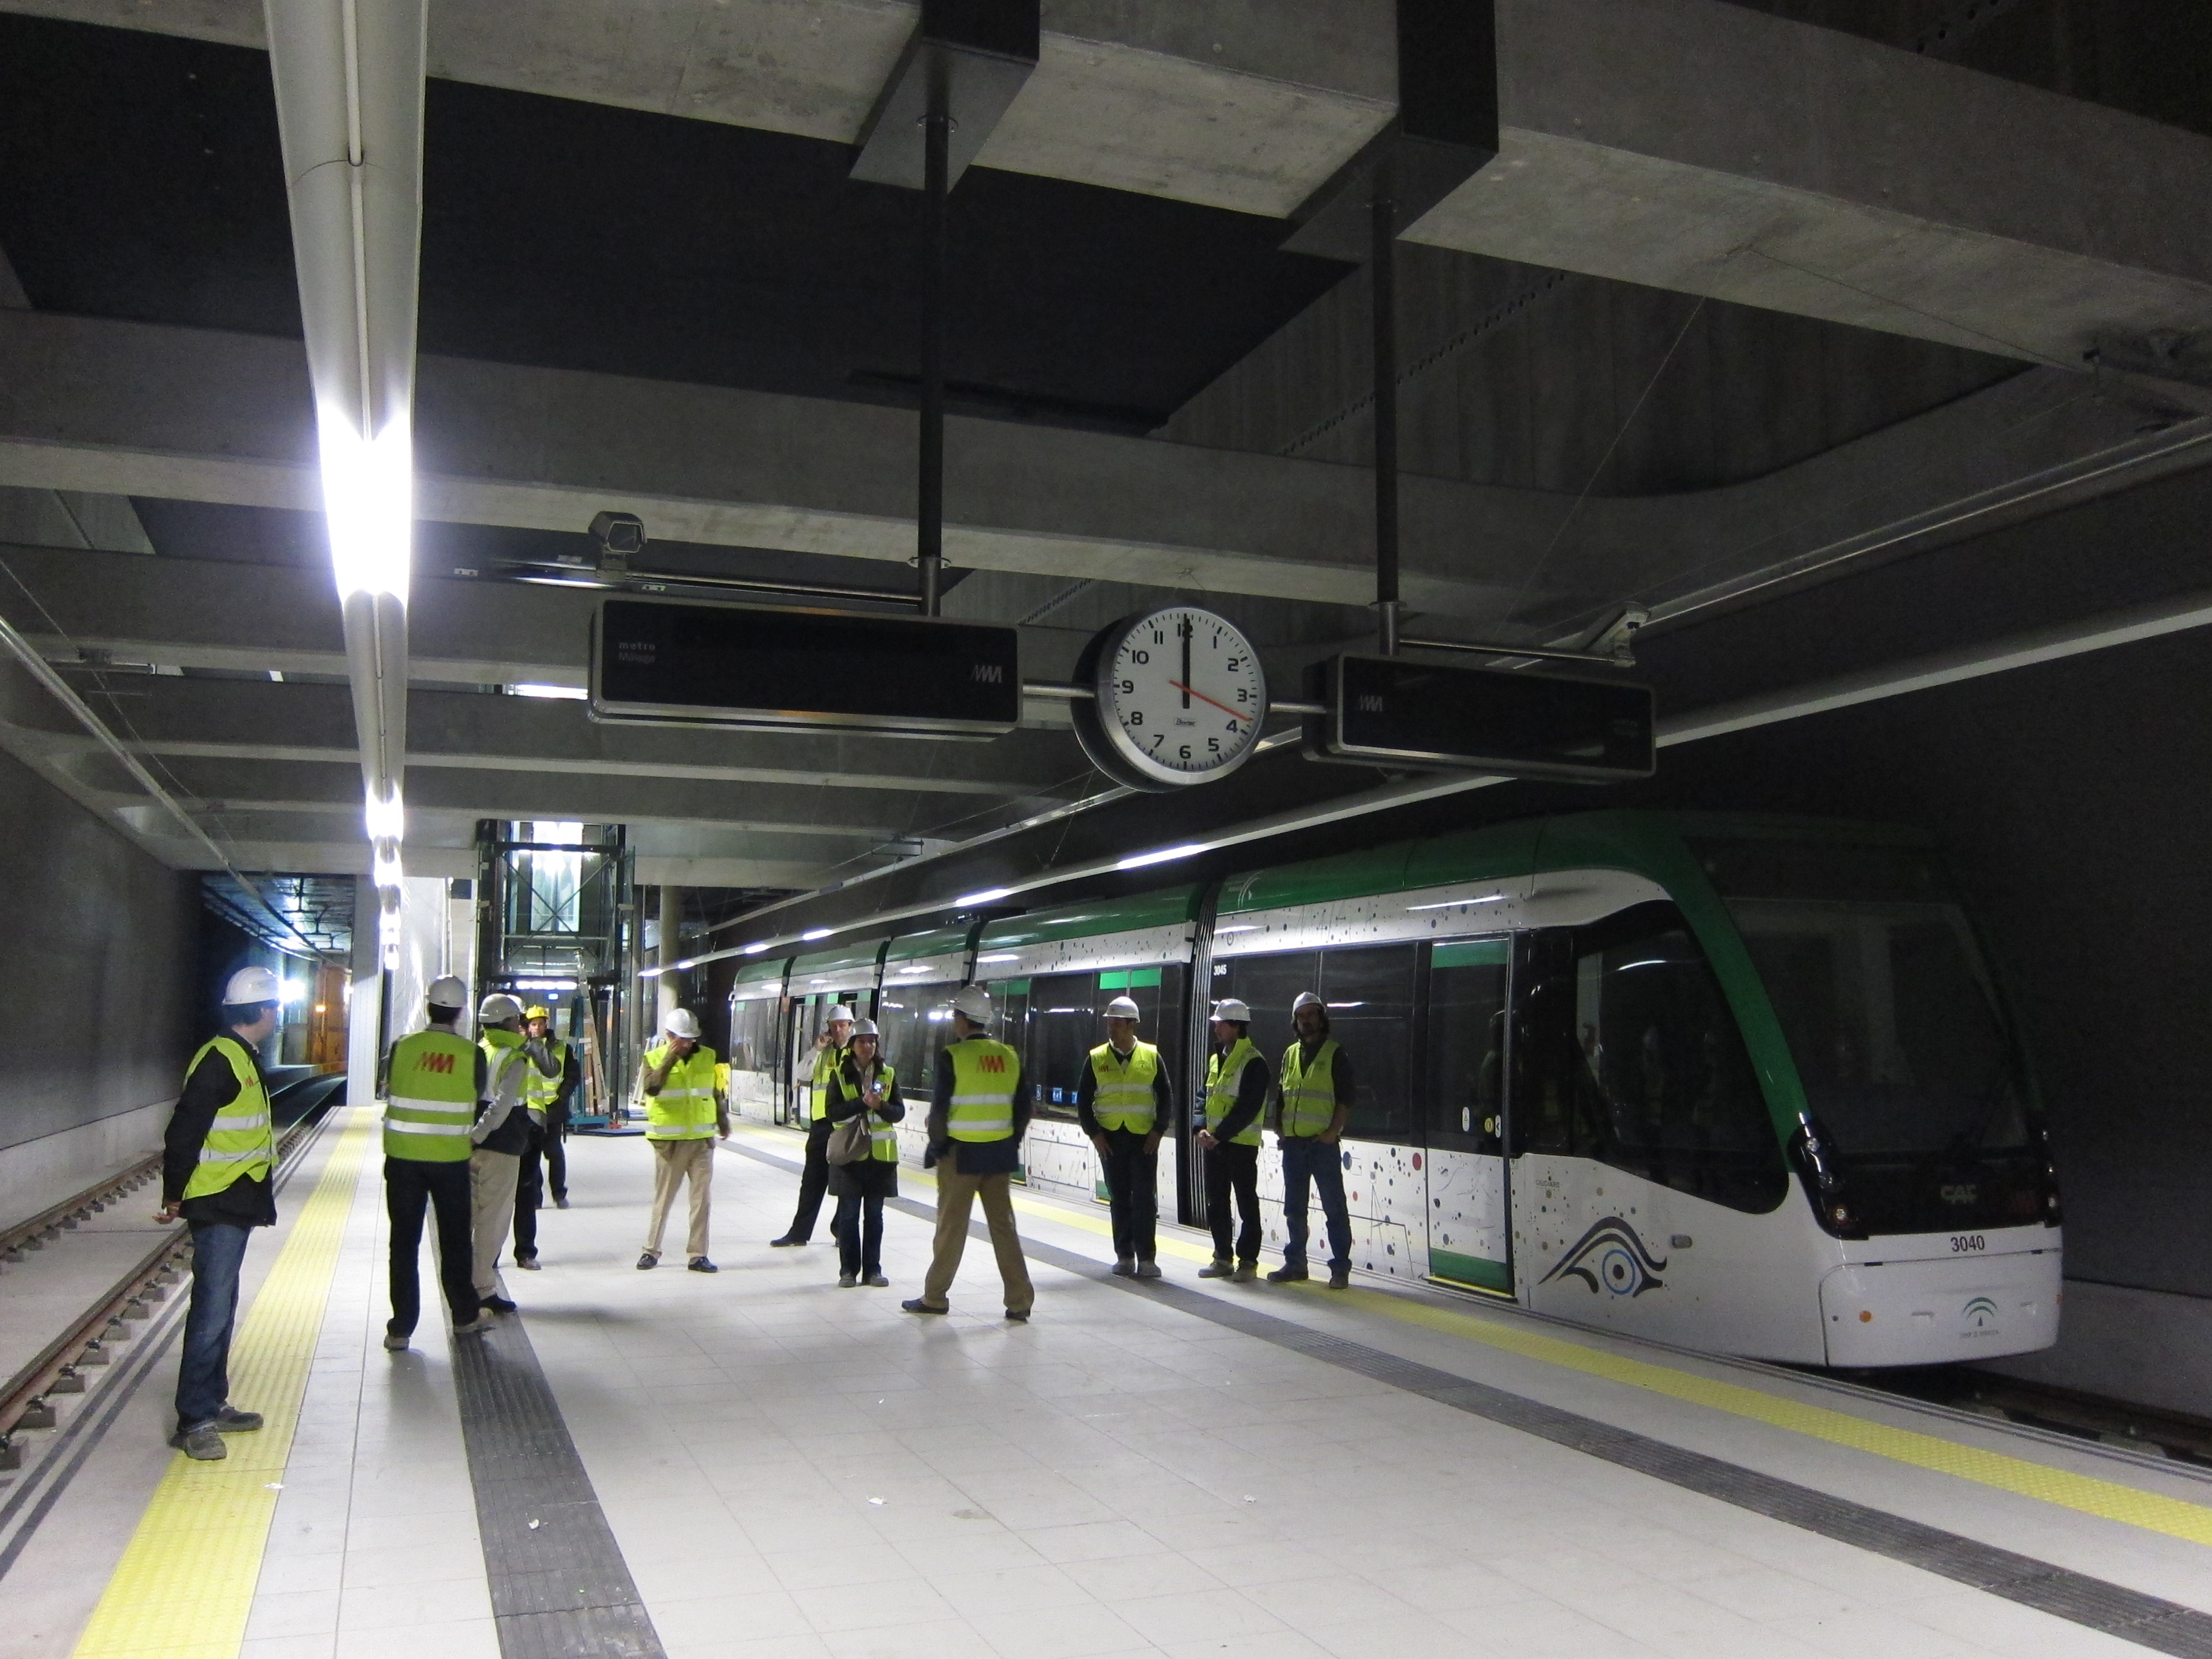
[(684, 1113), (435, 1088), (1311, 1105), (1123, 1102), (865, 1083), (978, 1113), (218, 1158), (545, 1098), (501, 1135), (814, 1178), (1236, 1093)]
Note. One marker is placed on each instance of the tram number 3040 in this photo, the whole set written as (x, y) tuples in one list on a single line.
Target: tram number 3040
[(1962, 1243)]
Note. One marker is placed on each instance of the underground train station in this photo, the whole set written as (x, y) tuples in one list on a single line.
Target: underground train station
[(1180, 829)]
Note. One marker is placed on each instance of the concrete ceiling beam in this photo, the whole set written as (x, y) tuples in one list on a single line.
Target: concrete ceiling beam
[(1686, 144)]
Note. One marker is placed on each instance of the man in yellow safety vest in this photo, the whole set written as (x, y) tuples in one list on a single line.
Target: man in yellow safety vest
[(1236, 1092), (685, 1112), (435, 1087), (978, 1114), (545, 1097), (1313, 1102), (502, 1133), (1123, 1103), (217, 1156), (829, 1045)]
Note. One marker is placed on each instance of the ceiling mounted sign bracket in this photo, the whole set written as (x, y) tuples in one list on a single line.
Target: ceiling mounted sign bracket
[(953, 82), (1445, 130)]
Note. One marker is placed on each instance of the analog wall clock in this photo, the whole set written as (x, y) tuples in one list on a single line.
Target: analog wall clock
[(1180, 697)]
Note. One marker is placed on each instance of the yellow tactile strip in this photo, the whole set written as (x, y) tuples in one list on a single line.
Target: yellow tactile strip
[(2108, 1499), (185, 1582)]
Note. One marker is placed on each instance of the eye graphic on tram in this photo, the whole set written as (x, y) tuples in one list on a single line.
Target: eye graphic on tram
[(1611, 1258)]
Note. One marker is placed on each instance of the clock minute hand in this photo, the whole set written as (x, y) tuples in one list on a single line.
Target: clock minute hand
[(1187, 693), (1188, 628)]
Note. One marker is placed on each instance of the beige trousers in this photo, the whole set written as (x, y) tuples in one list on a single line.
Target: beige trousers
[(955, 1197), (492, 1177), (674, 1162)]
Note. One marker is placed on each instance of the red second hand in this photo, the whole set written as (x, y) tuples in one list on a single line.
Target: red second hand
[(1202, 697)]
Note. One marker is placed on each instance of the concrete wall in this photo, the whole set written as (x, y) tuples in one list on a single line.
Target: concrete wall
[(97, 986)]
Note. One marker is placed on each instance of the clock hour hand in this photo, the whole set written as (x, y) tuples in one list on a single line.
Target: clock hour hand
[(1188, 629), (1187, 693)]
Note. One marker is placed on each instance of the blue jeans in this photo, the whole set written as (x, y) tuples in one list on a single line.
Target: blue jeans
[(1320, 1164), (203, 1375)]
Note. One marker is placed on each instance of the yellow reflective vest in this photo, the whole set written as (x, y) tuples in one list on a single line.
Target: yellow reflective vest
[(883, 1138), (984, 1074), (1124, 1099), (430, 1102), (1224, 1073), (826, 1064), (684, 1108), (240, 1141), (1308, 1092)]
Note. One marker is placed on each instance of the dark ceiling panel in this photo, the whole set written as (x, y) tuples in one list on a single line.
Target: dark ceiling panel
[(140, 176)]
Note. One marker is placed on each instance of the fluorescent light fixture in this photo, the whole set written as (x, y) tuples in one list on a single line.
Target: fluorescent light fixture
[(999, 956), (756, 947), (1347, 1004), (530, 689), (293, 991), (1162, 855), (818, 932), (649, 973), (368, 501), (686, 962), (1648, 961), (1454, 903), (988, 896)]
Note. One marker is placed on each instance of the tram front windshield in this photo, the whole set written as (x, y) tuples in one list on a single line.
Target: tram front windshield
[(1882, 995)]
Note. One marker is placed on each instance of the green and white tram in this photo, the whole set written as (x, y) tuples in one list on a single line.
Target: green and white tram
[(1743, 1085)]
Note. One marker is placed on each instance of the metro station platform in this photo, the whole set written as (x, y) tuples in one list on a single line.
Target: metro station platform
[(758, 1463)]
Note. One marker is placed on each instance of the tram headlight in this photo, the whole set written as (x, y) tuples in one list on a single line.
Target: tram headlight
[(1840, 1214)]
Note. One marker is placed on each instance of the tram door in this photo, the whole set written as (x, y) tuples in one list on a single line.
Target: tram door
[(1470, 1222)]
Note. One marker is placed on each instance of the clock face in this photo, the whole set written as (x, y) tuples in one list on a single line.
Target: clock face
[(1181, 696)]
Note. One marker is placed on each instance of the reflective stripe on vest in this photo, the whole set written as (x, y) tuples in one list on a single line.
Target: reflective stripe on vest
[(1308, 1094), (239, 1141), (983, 1074), (684, 1108), (1224, 1072), (1124, 1099), (883, 1138), (432, 1099)]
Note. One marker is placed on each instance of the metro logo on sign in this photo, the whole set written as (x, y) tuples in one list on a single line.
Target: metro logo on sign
[(434, 1063), (991, 1062)]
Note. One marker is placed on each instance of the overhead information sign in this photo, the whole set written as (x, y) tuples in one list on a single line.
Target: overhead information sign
[(1398, 711), (749, 667)]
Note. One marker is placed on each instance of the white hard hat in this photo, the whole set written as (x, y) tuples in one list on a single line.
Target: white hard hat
[(838, 1011), (1232, 1008), (497, 1007), (1122, 1008), (682, 1023), (446, 992), (250, 985), (864, 1028), (1307, 1000), (974, 1002)]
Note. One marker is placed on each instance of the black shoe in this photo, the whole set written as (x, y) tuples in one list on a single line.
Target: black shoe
[(497, 1304), (1018, 1316), (847, 1281), (560, 1201), (527, 1263), (231, 1420), (1339, 1278), (202, 1444), (699, 1264), (918, 1306), (649, 1259), (1289, 1274), (786, 1242)]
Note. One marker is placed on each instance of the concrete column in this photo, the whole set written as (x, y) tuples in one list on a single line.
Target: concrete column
[(670, 982), (364, 1001)]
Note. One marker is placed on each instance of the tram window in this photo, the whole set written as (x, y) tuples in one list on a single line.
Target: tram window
[(1370, 993), (1466, 1045), (1631, 1055), (915, 1020), (752, 1034), (1063, 1025)]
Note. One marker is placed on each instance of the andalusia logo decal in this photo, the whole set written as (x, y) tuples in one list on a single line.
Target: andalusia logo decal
[(1610, 1257), (1981, 1313)]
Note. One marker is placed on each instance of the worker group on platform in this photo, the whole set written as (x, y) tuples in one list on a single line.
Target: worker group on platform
[(473, 1133)]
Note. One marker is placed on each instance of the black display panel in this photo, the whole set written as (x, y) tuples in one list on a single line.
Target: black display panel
[(666, 661), (1395, 710)]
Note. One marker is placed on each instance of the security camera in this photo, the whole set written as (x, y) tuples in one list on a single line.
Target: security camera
[(620, 535)]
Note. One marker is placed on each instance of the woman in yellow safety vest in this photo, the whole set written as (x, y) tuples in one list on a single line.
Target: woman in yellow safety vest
[(865, 1083)]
